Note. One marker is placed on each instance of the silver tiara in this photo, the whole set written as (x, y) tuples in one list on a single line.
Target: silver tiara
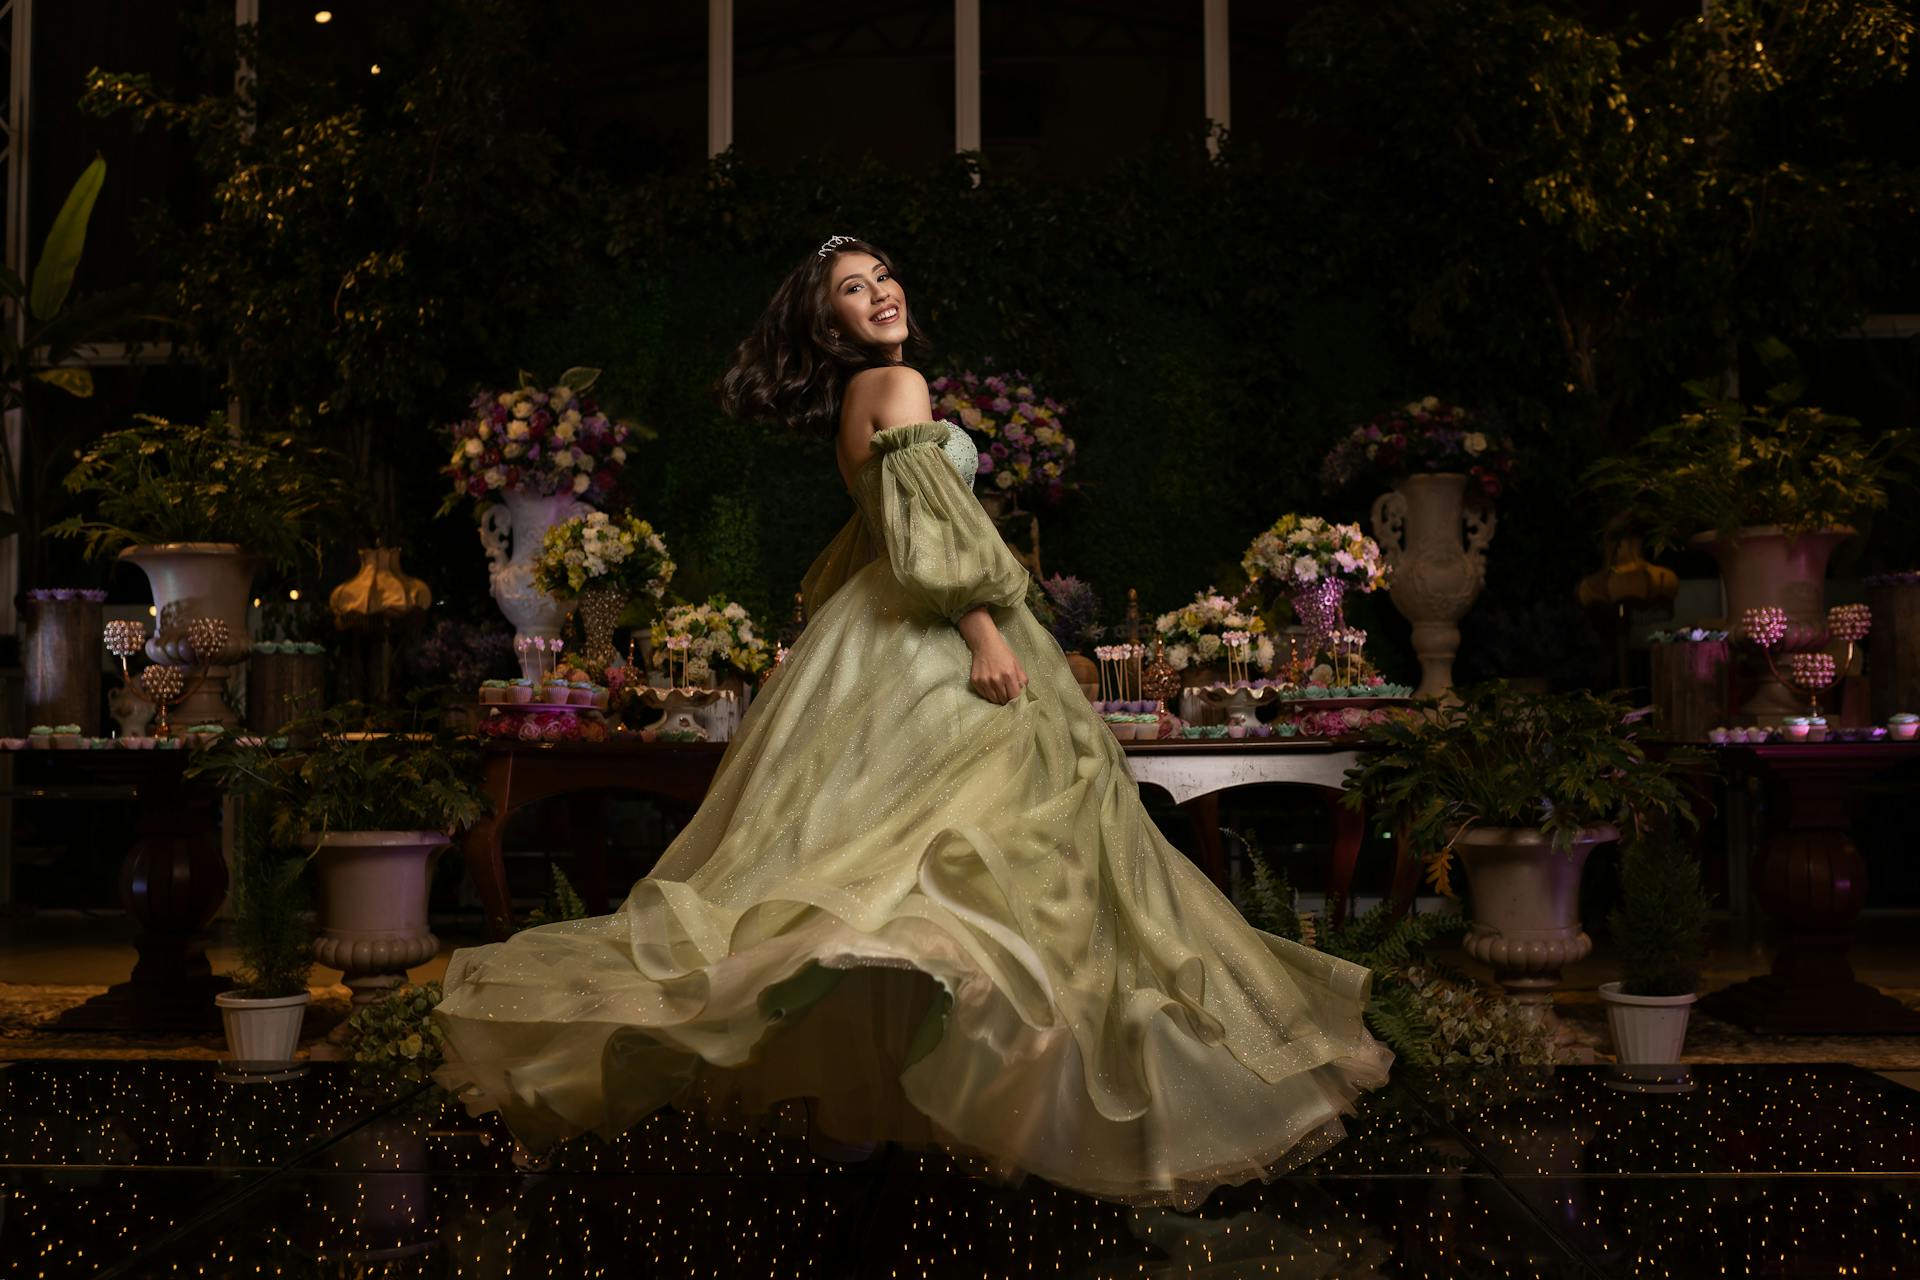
[(833, 242)]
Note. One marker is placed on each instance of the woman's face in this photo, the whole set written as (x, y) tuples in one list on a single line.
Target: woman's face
[(869, 306)]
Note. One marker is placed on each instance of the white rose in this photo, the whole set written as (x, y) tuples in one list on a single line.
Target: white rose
[(565, 431), (505, 398), (580, 484), (619, 454), (563, 458), (1475, 442), (1004, 479), (1179, 657), (563, 393), (514, 450), (523, 409), (494, 477), (571, 417), (1430, 403), (474, 449), (1305, 569), (518, 430), (1209, 646)]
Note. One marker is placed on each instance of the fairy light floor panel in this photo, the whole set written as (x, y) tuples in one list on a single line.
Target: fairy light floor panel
[(141, 1169)]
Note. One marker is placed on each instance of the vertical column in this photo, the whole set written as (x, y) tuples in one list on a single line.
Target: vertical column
[(1215, 51), (966, 75), (719, 76), (18, 129)]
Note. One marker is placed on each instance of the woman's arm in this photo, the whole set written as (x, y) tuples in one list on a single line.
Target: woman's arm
[(997, 674)]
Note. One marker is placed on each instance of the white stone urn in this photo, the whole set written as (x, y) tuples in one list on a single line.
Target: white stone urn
[(373, 905), (198, 580), (511, 531), (1436, 548), (1526, 908), (1764, 566)]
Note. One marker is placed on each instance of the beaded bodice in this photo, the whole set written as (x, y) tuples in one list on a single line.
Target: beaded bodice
[(961, 452)]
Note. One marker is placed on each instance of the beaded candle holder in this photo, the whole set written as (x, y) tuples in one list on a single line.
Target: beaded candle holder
[(167, 686), (1809, 671)]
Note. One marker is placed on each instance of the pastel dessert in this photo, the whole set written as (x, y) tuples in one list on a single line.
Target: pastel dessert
[(601, 696), (167, 744), (67, 736), (1797, 727), (520, 691), (1903, 725), (493, 691), (580, 692), (40, 736), (13, 744)]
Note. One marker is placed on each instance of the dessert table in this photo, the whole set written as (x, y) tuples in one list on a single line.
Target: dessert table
[(1194, 774), (1812, 882)]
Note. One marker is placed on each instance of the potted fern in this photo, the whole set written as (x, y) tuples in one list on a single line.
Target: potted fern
[(1522, 787), (375, 795), (264, 1011), (1660, 932)]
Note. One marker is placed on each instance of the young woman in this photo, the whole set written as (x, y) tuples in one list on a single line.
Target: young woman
[(922, 894)]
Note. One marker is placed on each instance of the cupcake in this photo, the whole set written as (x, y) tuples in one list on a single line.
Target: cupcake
[(67, 736), (601, 696), (40, 737), (1718, 735), (1797, 728), (104, 744), (166, 744), (580, 692), (493, 691), (13, 744), (1903, 725), (520, 691), (1817, 728)]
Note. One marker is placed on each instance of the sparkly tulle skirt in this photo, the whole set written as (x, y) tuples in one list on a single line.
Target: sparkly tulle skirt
[(942, 922)]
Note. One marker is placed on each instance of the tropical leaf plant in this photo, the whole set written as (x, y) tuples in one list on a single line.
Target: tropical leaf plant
[(162, 481), (1560, 763)]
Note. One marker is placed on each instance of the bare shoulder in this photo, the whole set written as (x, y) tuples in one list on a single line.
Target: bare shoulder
[(888, 396)]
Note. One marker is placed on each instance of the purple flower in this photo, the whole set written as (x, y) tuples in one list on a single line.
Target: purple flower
[(986, 464)]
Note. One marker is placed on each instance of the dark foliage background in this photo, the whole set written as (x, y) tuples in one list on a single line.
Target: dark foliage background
[(1531, 209)]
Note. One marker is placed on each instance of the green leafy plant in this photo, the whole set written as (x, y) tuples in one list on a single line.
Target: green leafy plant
[(398, 1030), (164, 481), (1727, 466), (1660, 927), (270, 927), (563, 902), (53, 331), (1561, 763), (361, 768), (1427, 1014)]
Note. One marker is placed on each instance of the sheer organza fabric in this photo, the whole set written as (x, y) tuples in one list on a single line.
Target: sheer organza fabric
[(943, 921)]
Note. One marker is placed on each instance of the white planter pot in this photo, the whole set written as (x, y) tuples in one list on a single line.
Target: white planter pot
[(512, 531), (1436, 548), (198, 580), (1646, 1029), (1526, 908), (373, 905), (1765, 567), (265, 1031)]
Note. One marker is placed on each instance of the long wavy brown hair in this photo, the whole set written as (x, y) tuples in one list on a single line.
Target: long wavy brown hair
[(791, 369)]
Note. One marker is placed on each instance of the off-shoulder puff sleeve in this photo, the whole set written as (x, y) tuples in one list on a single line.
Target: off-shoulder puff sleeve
[(939, 540)]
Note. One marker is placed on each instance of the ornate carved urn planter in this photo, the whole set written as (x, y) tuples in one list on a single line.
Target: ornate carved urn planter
[(512, 531), (1436, 547), (1526, 908), (373, 905)]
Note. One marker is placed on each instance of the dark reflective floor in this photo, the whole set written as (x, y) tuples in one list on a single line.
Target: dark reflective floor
[(169, 1169)]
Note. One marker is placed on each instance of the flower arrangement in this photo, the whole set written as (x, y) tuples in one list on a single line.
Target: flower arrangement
[(1302, 550), (709, 638), (1074, 612), (535, 441), (598, 550), (1426, 435), (398, 1030), (1024, 445), (1196, 633)]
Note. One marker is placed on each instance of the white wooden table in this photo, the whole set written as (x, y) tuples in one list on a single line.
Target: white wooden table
[(1195, 773)]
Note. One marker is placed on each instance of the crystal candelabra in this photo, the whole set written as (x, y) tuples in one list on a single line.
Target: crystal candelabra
[(167, 686), (1813, 671)]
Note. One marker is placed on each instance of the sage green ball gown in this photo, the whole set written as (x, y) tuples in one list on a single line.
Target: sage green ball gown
[(945, 921)]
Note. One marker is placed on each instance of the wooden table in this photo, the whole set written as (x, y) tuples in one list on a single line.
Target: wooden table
[(1193, 773), (173, 879), (1813, 882)]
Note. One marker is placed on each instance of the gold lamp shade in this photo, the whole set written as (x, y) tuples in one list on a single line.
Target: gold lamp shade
[(1628, 578), (381, 594)]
